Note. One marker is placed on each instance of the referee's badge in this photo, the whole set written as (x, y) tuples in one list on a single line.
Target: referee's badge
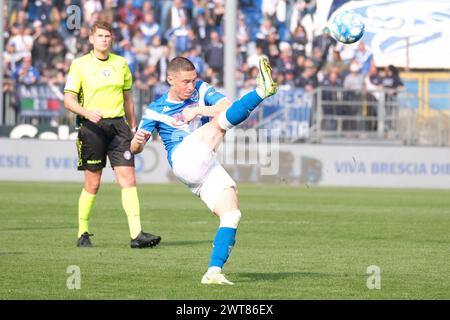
[(127, 155), (106, 73)]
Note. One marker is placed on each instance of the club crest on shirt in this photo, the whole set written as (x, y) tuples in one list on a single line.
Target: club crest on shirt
[(194, 96)]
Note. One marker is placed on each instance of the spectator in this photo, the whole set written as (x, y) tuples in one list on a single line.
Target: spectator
[(129, 56), (250, 81), (354, 86), (242, 37), (163, 62), (265, 29), (332, 83), (373, 84), (149, 28), (214, 52), (299, 41), (155, 51), (147, 79), (179, 36), (253, 59), (285, 63), (308, 7), (307, 79), (269, 8), (217, 10), (21, 19), (56, 51), (335, 62), (323, 42), (273, 54), (42, 11), (146, 7), (363, 57), (26, 73), (11, 59), (201, 29), (211, 77), (173, 19), (83, 44), (40, 51), (140, 48), (164, 9), (89, 7), (129, 15), (199, 8), (354, 80), (196, 60), (392, 83), (109, 12), (391, 79), (37, 28), (22, 42), (373, 81), (299, 64)]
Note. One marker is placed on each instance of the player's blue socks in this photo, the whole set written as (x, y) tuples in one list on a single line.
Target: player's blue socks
[(240, 110), (222, 245)]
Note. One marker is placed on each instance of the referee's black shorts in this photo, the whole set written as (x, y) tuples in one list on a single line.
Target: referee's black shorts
[(110, 137)]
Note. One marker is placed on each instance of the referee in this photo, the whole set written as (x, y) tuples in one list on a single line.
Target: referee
[(98, 90)]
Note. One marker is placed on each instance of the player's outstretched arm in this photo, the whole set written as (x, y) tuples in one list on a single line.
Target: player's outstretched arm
[(209, 111), (139, 140)]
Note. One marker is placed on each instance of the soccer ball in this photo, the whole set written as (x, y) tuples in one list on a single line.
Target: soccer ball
[(347, 27)]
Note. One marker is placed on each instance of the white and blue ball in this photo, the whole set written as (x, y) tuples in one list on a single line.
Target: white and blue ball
[(347, 27)]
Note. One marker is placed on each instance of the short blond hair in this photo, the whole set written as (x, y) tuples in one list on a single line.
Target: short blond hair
[(178, 64), (101, 25)]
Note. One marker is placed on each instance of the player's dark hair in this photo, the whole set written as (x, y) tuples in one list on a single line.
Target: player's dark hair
[(101, 25), (178, 64)]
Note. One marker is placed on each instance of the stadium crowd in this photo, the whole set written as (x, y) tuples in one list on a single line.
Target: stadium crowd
[(40, 45)]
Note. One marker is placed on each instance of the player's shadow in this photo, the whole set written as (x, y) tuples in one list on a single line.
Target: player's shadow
[(38, 228), (10, 253), (271, 276), (184, 243)]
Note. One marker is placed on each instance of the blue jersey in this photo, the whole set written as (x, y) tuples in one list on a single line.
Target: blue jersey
[(164, 115)]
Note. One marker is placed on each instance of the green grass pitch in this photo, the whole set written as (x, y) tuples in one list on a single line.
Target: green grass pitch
[(293, 242)]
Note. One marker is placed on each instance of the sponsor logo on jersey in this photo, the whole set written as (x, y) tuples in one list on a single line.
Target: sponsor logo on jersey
[(178, 120)]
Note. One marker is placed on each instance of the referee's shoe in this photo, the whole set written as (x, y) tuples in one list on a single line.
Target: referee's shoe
[(144, 240), (84, 241)]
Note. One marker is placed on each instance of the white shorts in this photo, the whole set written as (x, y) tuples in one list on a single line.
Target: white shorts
[(195, 164)]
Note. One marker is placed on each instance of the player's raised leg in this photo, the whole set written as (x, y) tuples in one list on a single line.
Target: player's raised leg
[(240, 110), (212, 133)]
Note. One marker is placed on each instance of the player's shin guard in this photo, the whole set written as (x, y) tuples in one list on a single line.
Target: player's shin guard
[(85, 205), (225, 239), (130, 203), (240, 110)]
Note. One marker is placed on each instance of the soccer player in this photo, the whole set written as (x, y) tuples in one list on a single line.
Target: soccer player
[(98, 90), (191, 150)]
